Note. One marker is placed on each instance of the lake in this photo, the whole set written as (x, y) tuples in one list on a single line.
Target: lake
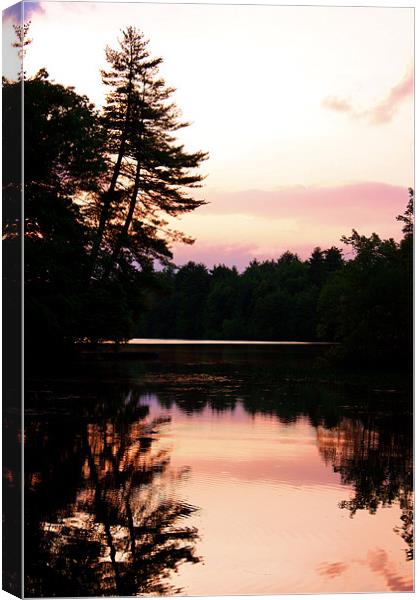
[(208, 469)]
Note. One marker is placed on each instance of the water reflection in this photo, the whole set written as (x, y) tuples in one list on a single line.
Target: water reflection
[(372, 452), (374, 456), (112, 491), (101, 505)]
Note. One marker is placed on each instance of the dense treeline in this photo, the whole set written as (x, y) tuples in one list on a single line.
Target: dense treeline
[(99, 185), (270, 300), (364, 302)]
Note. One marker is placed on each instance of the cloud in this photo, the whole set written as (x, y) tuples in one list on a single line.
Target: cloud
[(381, 113), (360, 204), (33, 8), (337, 104), (13, 13), (385, 110), (23, 11), (236, 227)]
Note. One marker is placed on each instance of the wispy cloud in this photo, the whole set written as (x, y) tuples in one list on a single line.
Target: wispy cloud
[(364, 203), (337, 104), (383, 111), (23, 11)]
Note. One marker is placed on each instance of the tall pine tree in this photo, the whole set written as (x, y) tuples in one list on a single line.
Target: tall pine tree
[(151, 174)]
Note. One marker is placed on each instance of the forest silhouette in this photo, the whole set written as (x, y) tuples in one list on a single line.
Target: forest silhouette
[(99, 186)]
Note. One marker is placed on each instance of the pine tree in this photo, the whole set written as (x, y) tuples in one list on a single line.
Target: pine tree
[(408, 217), (152, 173)]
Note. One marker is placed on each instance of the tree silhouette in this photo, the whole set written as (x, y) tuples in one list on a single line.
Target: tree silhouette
[(152, 172), (408, 217), (63, 161), (367, 304)]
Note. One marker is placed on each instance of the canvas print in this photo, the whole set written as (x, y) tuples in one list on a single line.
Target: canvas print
[(208, 222)]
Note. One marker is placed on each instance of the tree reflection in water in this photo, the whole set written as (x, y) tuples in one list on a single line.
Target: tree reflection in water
[(374, 455), (115, 527), (366, 437), (101, 501)]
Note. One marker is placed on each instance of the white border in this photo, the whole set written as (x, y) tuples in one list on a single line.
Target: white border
[(385, 3)]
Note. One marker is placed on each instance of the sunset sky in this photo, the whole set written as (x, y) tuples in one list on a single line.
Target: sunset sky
[(306, 112)]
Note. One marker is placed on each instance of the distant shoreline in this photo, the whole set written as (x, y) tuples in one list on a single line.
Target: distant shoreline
[(183, 342)]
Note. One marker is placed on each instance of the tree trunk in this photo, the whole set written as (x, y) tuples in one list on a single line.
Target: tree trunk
[(103, 219), (124, 232)]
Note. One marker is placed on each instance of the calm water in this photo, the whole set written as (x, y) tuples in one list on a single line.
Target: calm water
[(218, 470)]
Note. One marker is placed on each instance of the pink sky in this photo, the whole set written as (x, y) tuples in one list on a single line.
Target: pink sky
[(263, 224), (307, 112)]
